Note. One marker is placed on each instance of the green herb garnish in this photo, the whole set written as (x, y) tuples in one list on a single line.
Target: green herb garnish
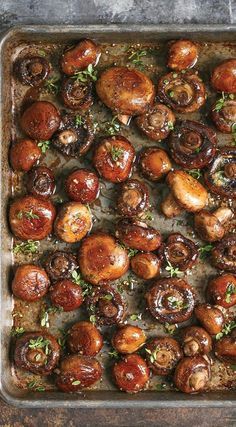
[(174, 272), (40, 342), (135, 316), (52, 85), (152, 354), (135, 58), (77, 279), (231, 290), (17, 331), (226, 330), (116, 153), (111, 127), (234, 133), (205, 251), (92, 318), (220, 103), (195, 173), (79, 121), (28, 247), (28, 214), (113, 354), (170, 329), (44, 316), (170, 125), (44, 146), (175, 303), (35, 386), (86, 75), (76, 382)]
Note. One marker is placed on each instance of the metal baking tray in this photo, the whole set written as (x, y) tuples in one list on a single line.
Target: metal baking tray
[(105, 395)]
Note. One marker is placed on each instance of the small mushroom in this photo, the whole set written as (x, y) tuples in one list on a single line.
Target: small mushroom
[(32, 70), (131, 374), (59, 265), (84, 338), (154, 163), (192, 374), (182, 54), (210, 225), (146, 265), (133, 198), (157, 123), (179, 251), (221, 290), (128, 339), (66, 295), (195, 340), (138, 235), (40, 120), (106, 306), (79, 57), (223, 114), (73, 222), (170, 207), (24, 154), (224, 76), (223, 255), (210, 317), (225, 349), (163, 354), (40, 182)]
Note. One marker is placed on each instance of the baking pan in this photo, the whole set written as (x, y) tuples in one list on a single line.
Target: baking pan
[(106, 397)]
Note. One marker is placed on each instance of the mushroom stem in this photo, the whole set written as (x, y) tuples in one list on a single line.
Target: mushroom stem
[(223, 214), (124, 119), (170, 207)]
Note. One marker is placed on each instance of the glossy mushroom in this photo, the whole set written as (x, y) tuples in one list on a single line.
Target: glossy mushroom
[(138, 235), (30, 283), (101, 258), (220, 177), (40, 182), (59, 265), (170, 208), (192, 374), (31, 218), (182, 54), (225, 349), (170, 300), (223, 78), (106, 306), (133, 198), (76, 95), (84, 338), (195, 340), (113, 158), (210, 226), (221, 290), (128, 339), (79, 57), (66, 295), (179, 251), (32, 70), (146, 265), (24, 154), (157, 123), (82, 185), (223, 114), (73, 222), (163, 354), (210, 317), (131, 374), (40, 120), (154, 163), (192, 144), (223, 255)]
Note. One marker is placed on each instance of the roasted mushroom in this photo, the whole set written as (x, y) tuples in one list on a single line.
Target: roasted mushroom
[(101, 258), (133, 198), (221, 174), (157, 123), (128, 339), (59, 265), (184, 93), (154, 163), (192, 374), (37, 352), (195, 340), (146, 265), (163, 354), (221, 290), (137, 235), (170, 208), (182, 54), (40, 182), (32, 70), (82, 185), (40, 120), (223, 255), (74, 137), (24, 154), (66, 295), (84, 338), (210, 317), (223, 114), (106, 306), (179, 251), (171, 300), (192, 144), (210, 226), (225, 349), (131, 374), (77, 95), (78, 372), (30, 282), (73, 222), (125, 90), (31, 218), (79, 57), (224, 77), (113, 158)]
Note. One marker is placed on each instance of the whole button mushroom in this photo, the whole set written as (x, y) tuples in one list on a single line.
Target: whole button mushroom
[(210, 226), (137, 235), (82, 185), (133, 198), (106, 306), (179, 251), (210, 317), (30, 283), (131, 374), (146, 265), (224, 77), (32, 70), (73, 222), (40, 120), (163, 354), (24, 154), (154, 163), (40, 182), (60, 265), (128, 339), (79, 57), (182, 54), (195, 340), (157, 123), (192, 374), (221, 290), (76, 95), (225, 349), (223, 255), (223, 114), (84, 338), (66, 295)]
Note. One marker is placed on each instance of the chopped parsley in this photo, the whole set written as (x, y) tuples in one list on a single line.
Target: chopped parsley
[(44, 146), (116, 153), (226, 330), (28, 247), (86, 75), (174, 272)]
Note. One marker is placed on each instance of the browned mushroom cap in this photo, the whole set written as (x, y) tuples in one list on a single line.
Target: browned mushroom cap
[(192, 374), (131, 374), (137, 235), (171, 300), (170, 207), (32, 70), (59, 265), (179, 251), (157, 123), (79, 57), (192, 144), (84, 338), (223, 114), (40, 182), (211, 318), (224, 77), (106, 306), (183, 93), (77, 95), (221, 290), (24, 154), (225, 349), (128, 339), (40, 120), (182, 54), (210, 225), (146, 265), (223, 255), (154, 163), (163, 354), (73, 222), (195, 340), (221, 175), (101, 258), (30, 282), (133, 198), (125, 91)]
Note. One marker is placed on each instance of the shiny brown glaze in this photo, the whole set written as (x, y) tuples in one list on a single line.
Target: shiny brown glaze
[(101, 258), (82, 185), (60, 265), (192, 374), (192, 144), (170, 208), (40, 182), (223, 255), (163, 354), (184, 93), (106, 306), (113, 158), (40, 120), (220, 177), (125, 91), (133, 198), (79, 57), (154, 163), (179, 251), (171, 300), (195, 340), (66, 294), (225, 349), (37, 352), (137, 235), (73, 222), (30, 282), (84, 338), (32, 70), (182, 54), (24, 154), (221, 290), (210, 226), (225, 118), (31, 218), (157, 123), (77, 372), (146, 265), (223, 78), (210, 317), (131, 374), (128, 339), (76, 95)]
